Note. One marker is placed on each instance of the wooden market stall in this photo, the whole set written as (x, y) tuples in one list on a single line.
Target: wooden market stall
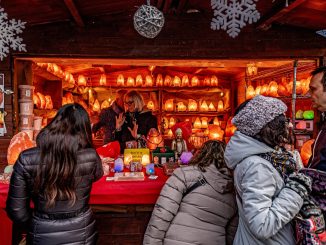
[(73, 45)]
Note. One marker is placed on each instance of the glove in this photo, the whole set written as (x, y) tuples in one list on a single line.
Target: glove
[(299, 183), (309, 208)]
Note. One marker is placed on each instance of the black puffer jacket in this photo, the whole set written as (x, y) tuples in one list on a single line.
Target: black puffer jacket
[(62, 224)]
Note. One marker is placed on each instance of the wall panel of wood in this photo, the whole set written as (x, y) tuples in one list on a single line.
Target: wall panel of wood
[(181, 37), (5, 68)]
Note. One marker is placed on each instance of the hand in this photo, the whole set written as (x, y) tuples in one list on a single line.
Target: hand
[(119, 121), (134, 130), (299, 183)]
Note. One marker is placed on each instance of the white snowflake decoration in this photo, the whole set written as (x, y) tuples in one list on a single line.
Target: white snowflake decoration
[(9, 30), (234, 15), (322, 32)]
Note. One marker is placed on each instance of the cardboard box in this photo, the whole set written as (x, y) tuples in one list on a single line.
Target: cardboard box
[(161, 154)]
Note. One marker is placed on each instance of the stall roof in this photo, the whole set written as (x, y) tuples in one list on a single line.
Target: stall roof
[(301, 13)]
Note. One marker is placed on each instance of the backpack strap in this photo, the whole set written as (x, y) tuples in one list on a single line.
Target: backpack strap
[(200, 182)]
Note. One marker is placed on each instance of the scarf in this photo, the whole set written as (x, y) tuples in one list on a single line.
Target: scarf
[(282, 160)]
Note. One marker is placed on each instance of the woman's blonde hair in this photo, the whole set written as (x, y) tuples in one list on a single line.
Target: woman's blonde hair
[(136, 98)]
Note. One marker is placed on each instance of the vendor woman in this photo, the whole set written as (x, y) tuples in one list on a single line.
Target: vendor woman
[(136, 122)]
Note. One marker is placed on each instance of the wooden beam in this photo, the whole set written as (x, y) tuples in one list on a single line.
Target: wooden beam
[(279, 13), (74, 12), (167, 5), (159, 4), (181, 6)]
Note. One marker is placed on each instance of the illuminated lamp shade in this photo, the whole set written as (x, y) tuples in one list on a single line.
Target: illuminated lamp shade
[(127, 159), (18, 143), (165, 122), (203, 106), (169, 105), (197, 123), (305, 85), (301, 125), (56, 69), (43, 101), (305, 152), (220, 106), (299, 114), (264, 89), (272, 89), (150, 105), (214, 80), (154, 139), (148, 81), (281, 90), (48, 102), (159, 80), (105, 104), (250, 92), (192, 105), (139, 81), (36, 100), (171, 122), (186, 157), (82, 81), (206, 132), (257, 90), (298, 87), (207, 81), (167, 81), (194, 81), (130, 82), (309, 115), (215, 132), (181, 106), (185, 81), (230, 128), (118, 165), (204, 123), (120, 80), (176, 81), (96, 106), (103, 80), (211, 107), (216, 121), (170, 133), (289, 88)]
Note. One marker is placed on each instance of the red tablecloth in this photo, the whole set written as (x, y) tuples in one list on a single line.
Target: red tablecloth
[(103, 192)]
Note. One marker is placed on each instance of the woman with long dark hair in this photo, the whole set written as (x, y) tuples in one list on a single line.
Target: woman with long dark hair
[(197, 203), (57, 175)]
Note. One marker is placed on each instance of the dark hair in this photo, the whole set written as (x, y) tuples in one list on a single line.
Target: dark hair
[(321, 69), (212, 152), (275, 133), (59, 142)]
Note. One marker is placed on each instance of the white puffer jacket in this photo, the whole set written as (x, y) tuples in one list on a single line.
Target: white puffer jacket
[(265, 206)]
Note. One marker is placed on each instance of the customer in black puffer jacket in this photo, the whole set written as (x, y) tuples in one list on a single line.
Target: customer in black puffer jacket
[(57, 176)]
